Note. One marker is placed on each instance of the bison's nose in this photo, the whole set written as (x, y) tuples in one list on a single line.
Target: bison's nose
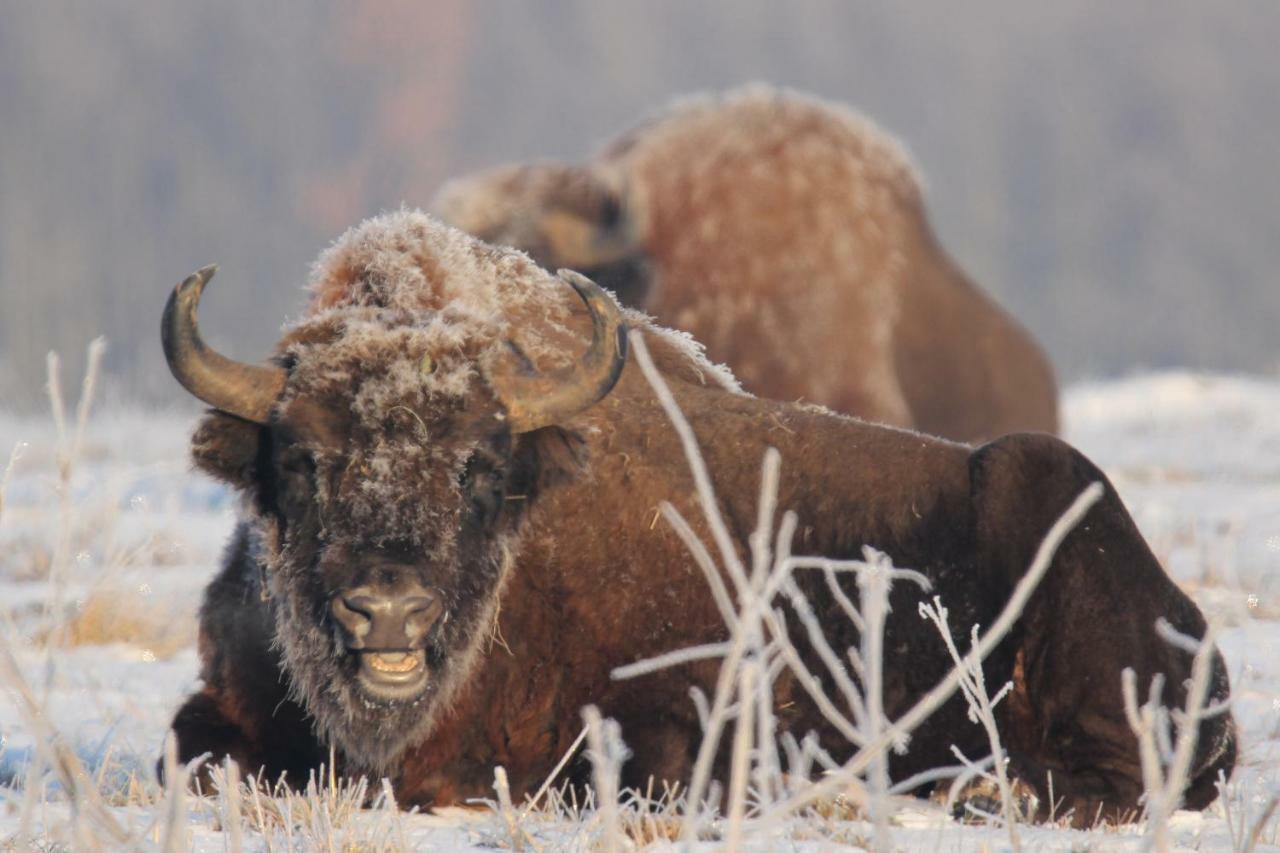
[(376, 620)]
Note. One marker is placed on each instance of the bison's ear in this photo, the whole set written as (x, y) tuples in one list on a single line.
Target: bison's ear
[(226, 447), (547, 457)]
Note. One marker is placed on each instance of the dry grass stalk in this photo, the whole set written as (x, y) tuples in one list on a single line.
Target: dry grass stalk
[(515, 834), (532, 802), (171, 831), (101, 618), (68, 453), (1245, 829), (397, 817), (15, 456), (605, 749), (93, 369), (1259, 826), (331, 812), (91, 818), (648, 820), (229, 796)]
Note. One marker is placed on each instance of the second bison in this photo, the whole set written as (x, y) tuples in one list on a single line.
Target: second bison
[(790, 237)]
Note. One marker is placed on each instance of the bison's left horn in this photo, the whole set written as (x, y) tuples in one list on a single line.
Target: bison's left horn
[(245, 390), (533, 402)]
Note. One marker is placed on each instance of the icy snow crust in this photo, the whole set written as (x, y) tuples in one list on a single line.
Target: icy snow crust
[(1197, 459)]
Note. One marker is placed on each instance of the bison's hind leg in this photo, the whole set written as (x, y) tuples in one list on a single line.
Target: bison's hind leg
[(1093, 615)]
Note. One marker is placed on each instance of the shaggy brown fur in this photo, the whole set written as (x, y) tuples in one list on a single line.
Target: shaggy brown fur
[(790, 237), (388, 454)]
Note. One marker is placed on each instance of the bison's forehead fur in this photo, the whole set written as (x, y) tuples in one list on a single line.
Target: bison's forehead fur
[(390, 412), (415, 268)]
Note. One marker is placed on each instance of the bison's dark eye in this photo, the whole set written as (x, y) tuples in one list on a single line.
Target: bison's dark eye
[(296, 463), (296, 471), (483, 484), (610, 212)]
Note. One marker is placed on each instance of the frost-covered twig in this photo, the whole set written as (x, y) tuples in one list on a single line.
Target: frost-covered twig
[(939, 774), (739, 767), (670, 659), (934, 699), (973, 684), (873, 594), (759, 641), (1166, 770), (759, 645)]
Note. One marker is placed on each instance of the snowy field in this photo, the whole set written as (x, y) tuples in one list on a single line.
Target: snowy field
[(104, 550)]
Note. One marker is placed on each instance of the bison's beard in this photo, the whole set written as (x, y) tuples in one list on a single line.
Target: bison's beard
[(372, 734)]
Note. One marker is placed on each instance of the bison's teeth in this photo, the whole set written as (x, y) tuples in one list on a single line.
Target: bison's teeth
[(397, 662)]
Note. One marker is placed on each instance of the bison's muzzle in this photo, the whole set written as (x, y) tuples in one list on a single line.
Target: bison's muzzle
[(387, 630)]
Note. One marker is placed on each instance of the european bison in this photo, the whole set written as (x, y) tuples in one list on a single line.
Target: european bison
[(451, 542), (790, 237)]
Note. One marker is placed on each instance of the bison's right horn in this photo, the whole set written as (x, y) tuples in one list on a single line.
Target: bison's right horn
[(541, 400), (245, 390)]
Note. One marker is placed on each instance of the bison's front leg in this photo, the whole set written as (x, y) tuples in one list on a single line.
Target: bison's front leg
[(282, 746), (243, 712), (1093, 616)]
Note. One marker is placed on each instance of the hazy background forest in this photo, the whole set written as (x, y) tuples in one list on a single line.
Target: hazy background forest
[(1107, 170)]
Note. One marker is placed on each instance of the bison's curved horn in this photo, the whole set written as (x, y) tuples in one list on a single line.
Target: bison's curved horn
[(533, 402), (245, 390)]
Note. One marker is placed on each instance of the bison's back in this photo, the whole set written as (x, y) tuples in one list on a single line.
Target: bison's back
[(773, 224), (790, 237), (968, 369)]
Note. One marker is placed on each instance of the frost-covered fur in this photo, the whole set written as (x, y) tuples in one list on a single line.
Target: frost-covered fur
[(781, 220), (389, 398)]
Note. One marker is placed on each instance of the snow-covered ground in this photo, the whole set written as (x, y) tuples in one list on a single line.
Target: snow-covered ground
[(121, 546)]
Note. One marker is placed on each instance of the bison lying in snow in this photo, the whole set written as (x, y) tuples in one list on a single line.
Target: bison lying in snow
[(790, 237), (452, 543)]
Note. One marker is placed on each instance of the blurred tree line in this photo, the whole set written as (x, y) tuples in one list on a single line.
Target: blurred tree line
[(1107, 170)]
